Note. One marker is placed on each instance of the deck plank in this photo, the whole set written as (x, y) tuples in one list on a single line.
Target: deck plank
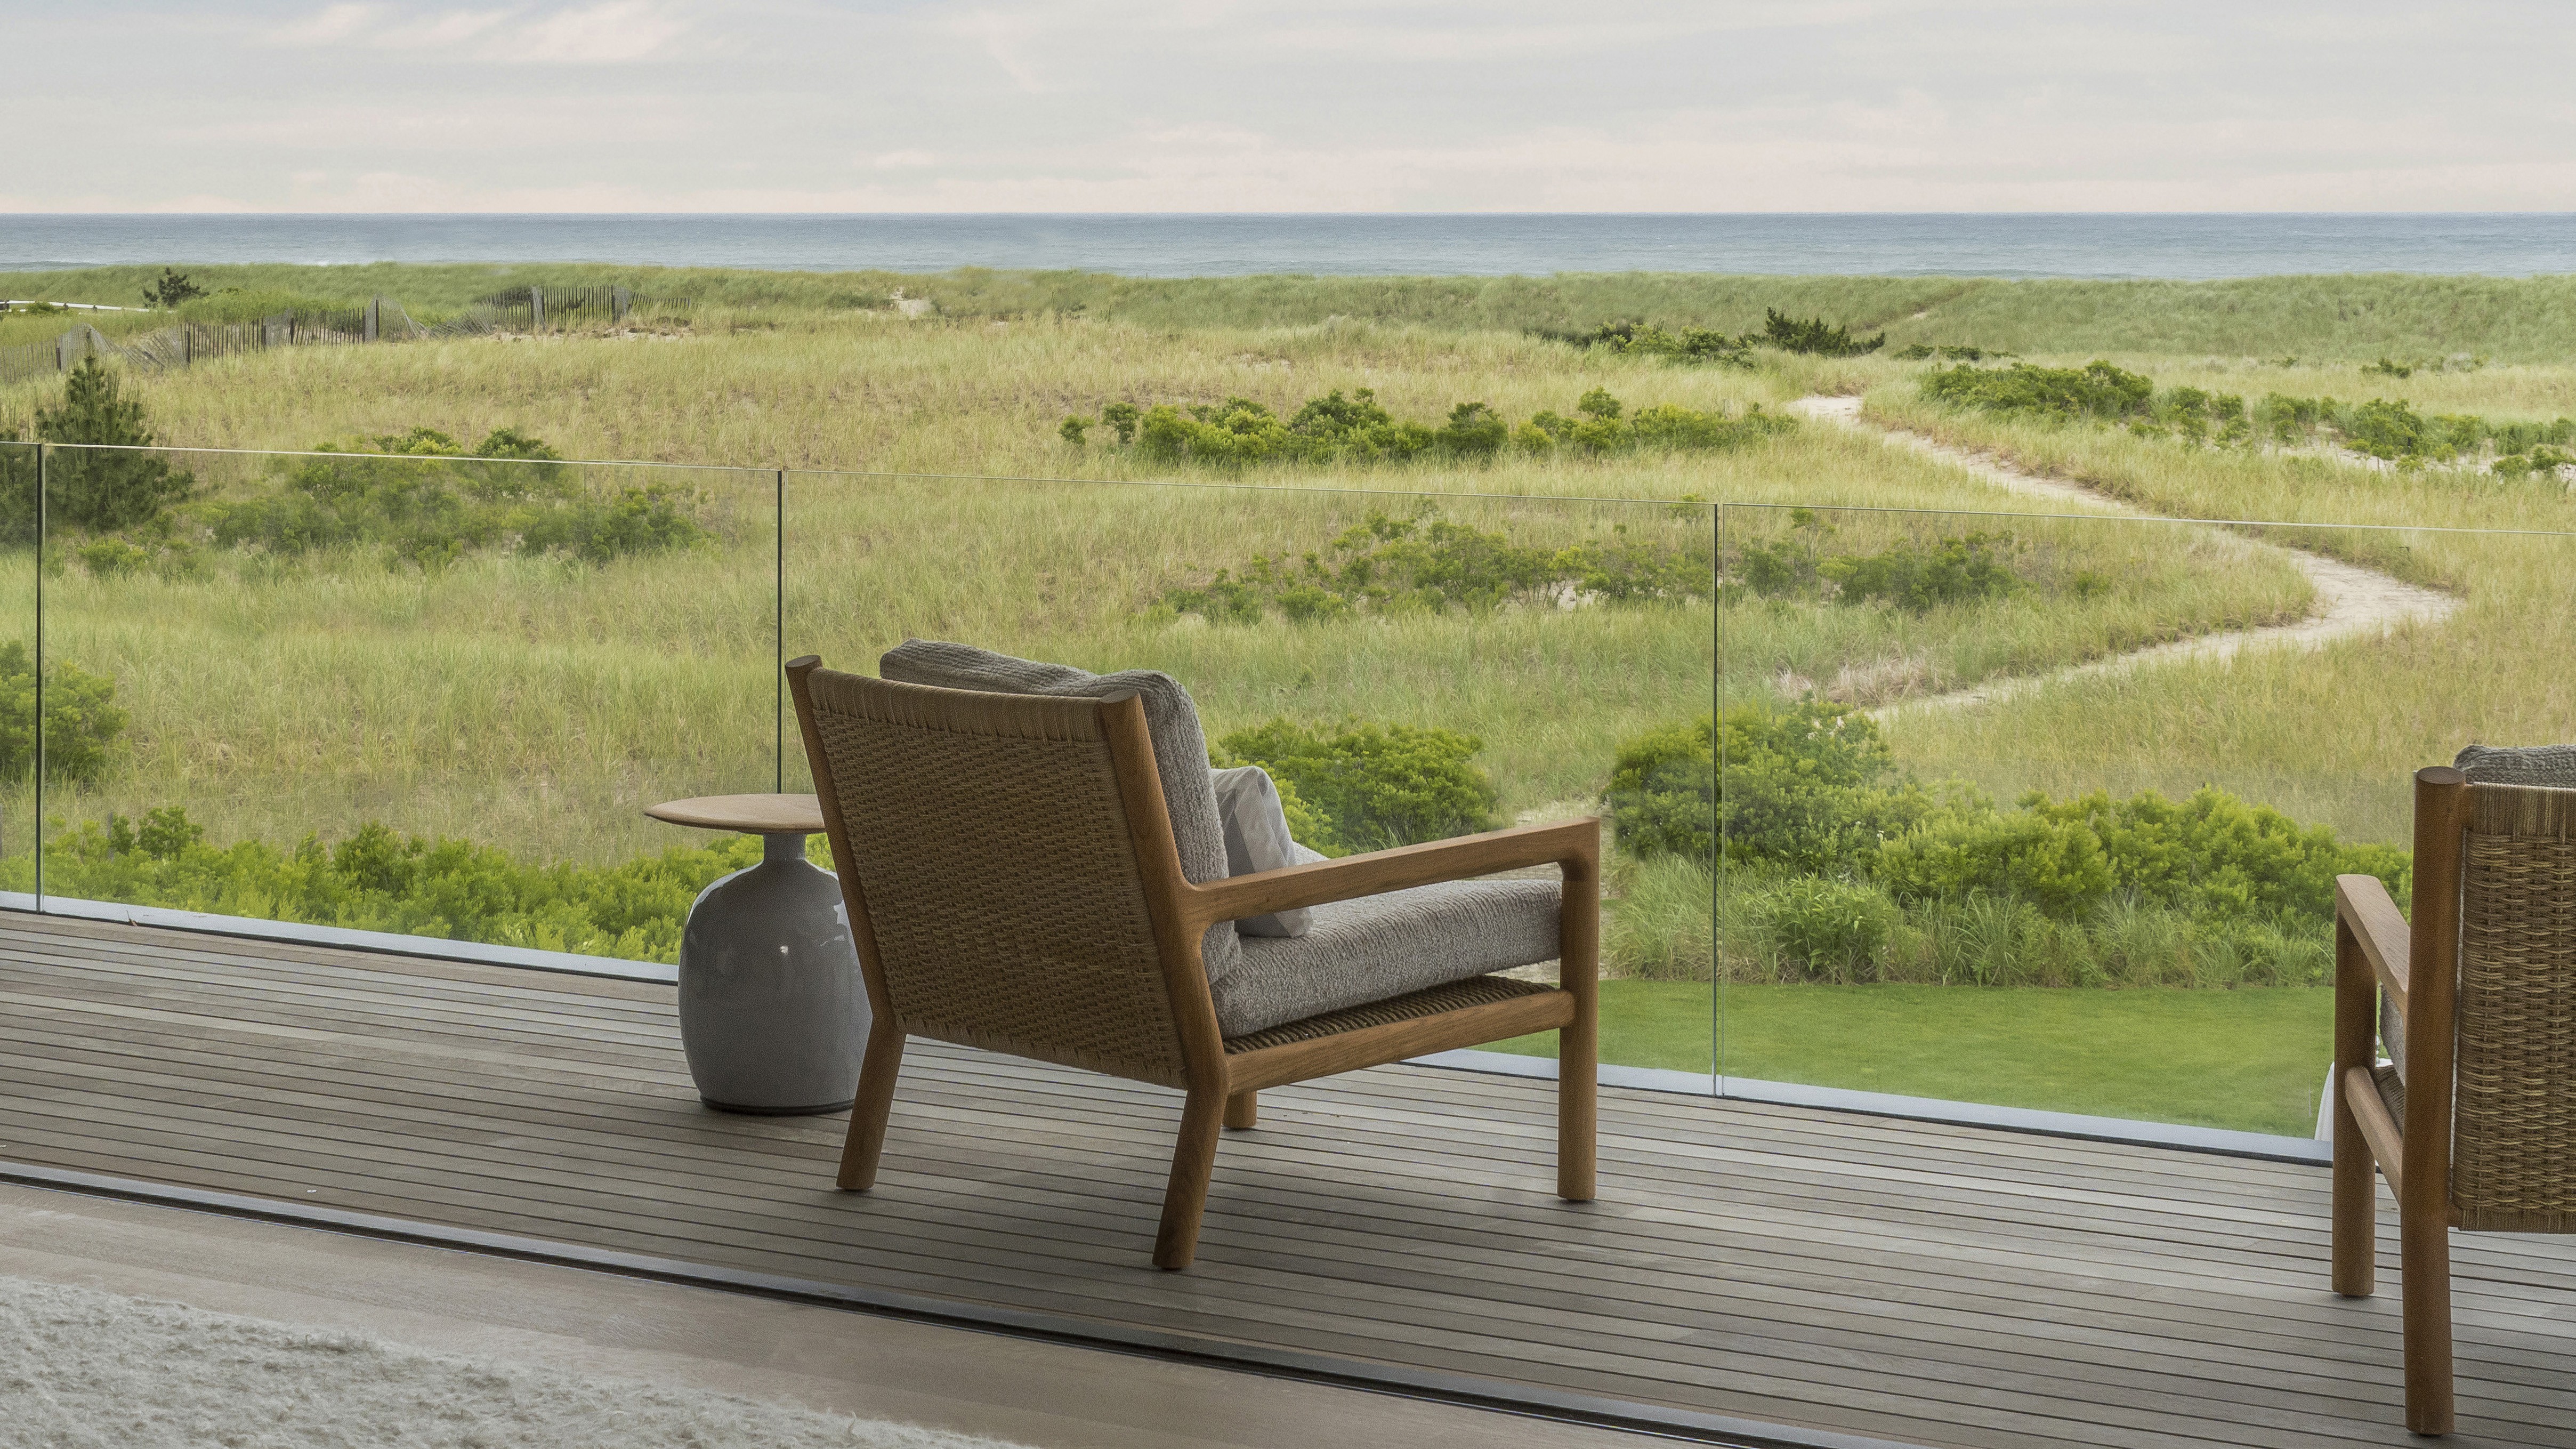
[(1923, 1282)]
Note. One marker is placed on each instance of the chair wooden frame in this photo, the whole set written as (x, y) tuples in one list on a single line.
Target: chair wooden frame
[(1222, 1084), (2414, 969)]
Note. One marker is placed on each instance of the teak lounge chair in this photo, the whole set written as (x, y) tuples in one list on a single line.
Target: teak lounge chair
[(1014, 884), (2474, 1121)]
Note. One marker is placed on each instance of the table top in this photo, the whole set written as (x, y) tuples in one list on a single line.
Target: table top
[(751, 814)]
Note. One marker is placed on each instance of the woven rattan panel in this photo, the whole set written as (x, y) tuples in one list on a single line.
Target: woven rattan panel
[(1002, 891), (1477, 991), (2514, 1157)]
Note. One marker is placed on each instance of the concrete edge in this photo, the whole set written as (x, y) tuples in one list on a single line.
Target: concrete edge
[(383, 942)]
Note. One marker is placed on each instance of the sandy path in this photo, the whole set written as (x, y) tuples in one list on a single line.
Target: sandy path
[(2351, 600)]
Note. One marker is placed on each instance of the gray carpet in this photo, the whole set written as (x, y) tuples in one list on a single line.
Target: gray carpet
[(81, 1368)]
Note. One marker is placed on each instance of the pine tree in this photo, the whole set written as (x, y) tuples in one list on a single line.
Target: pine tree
[(101, 491), (172, 289)]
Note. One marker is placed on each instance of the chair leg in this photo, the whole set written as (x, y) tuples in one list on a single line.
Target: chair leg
[(1243, 1111), (1185, 1198), (1578, 1079), (877, 1071), (2424, 1293), (2356, 1183), (2356, 1204)]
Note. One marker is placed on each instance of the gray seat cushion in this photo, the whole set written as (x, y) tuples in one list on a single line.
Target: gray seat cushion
[(1180, 747), (2550, 765), (1370, 949)]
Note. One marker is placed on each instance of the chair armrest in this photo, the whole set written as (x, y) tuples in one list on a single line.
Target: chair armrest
[(1575, 845), (2362, 904)]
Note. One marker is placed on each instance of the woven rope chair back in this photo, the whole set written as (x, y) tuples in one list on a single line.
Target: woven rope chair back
[(997, 872), (2514, 1136)]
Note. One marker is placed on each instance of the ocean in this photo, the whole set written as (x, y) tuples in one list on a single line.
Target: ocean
[(1947, 244)]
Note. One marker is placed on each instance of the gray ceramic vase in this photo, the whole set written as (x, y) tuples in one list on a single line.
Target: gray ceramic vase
[(773, 1014)]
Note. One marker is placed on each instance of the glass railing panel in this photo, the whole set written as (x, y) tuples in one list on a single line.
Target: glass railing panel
[(420, 694), (2045, 811), (1415, 665), (19, 796)]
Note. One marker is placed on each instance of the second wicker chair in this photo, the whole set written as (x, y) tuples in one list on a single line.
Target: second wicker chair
[(2474, 1119)]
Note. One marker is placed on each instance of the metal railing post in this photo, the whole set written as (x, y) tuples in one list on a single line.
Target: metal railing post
[(44, 487)]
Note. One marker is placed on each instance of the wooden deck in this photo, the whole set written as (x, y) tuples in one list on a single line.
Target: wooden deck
[(1903, 1281)]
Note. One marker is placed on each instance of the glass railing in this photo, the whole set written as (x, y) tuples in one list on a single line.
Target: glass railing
[(18, 651), (2032, 810), (432, 696), (421, 695), (1410, 664), (2045, 812)]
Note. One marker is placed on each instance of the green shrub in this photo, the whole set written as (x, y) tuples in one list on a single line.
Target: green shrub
[(82, 719), (1911, 576), (1921, 351), (2382, 428), (1663, 793), (2212, 855), (2385, 429), (1368, 786), (2520, 437), (2215, 854), (1961, 570), (1814, 337), (2291, 418), (1240, 431), (106, 558), (2056, 865), (1811, 786), (1834, 930), (1388, 565), (1808, 787), (1688, 344), (1338, 429), (1769, 929), (379, 880), (2543, 461), (2095, 390), (510, 493), (103, 490)]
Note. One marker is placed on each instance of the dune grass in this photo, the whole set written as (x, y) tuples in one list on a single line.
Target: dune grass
[(653, 671), (2346, 318), (2328, 735)]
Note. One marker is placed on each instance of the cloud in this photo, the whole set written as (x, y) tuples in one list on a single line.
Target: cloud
[(611, 32), (493, 126), (604, 34), (1335, 105), (331, 25)]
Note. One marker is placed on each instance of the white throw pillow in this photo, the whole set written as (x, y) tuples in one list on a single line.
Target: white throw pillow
[(1256, 839)]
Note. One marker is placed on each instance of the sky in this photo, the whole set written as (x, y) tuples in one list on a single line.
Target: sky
[(1316, 105)]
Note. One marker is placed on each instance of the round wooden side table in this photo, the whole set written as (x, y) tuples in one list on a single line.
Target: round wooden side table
[(773, 1013)]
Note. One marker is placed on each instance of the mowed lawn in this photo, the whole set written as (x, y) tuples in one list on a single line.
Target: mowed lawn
[(2253, 1059)]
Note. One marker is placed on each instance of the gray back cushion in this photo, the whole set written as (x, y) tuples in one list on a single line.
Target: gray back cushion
[(1257, 839), (1180, 747), (2549, 765)]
